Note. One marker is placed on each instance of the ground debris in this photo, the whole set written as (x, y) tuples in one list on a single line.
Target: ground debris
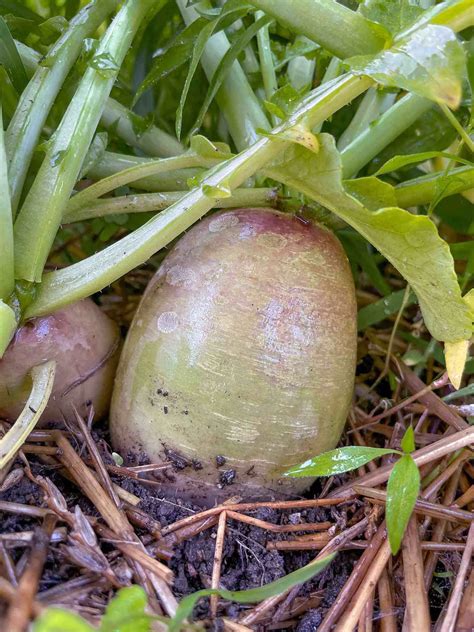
[(103, 526)]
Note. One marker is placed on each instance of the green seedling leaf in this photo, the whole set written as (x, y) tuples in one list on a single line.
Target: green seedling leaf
[(59, 620), (226, 63), (380, 310), (408, 440), (21, 28), (126, 612), (176, 54), (394, 15), (397, 162), (301, 47), (402, 491), (10, 59), (430, 62), (52, 28), (253, 595), (411, 243), (338, 461)]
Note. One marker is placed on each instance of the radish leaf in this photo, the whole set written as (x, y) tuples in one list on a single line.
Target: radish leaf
[(10, 59), (431, 63), (13, 7), (394, 15), (397, 162), (410, 242)]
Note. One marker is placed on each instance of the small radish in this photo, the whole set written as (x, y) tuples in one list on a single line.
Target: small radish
[(85, 344)]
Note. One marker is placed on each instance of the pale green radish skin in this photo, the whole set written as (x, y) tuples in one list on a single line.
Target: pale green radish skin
[(243, 347), (84, 342)]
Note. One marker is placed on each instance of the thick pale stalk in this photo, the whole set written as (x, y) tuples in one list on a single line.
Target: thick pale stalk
[(336, 28), (38, 97), (146, 202), (54, 183), (372, 105), (112, 163), (241, 356), (7, 277), (154, 142), (382, 132), (82, 279), (91, 275)]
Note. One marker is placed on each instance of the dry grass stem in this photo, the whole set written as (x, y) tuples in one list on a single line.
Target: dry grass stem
[(417, 613), (452, 611), (217, 564)]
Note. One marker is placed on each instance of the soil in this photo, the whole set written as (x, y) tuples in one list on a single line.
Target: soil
[(246, 563)]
